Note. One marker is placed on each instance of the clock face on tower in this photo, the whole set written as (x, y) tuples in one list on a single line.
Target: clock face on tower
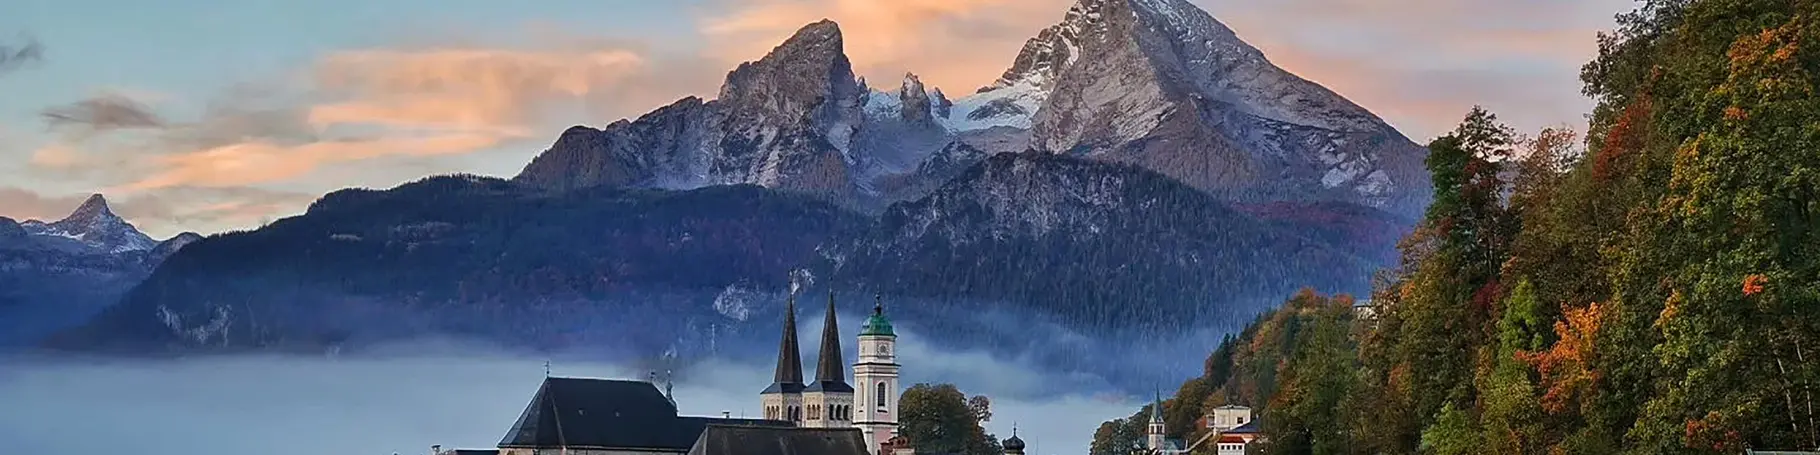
[(882, 349)]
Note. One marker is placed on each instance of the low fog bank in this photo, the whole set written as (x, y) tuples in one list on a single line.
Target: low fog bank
[(403, 398)]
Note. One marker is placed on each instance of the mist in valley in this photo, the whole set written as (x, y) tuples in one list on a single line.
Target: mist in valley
[(402, 398)]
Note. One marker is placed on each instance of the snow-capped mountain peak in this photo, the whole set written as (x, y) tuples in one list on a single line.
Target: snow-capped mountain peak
[(94, 224)]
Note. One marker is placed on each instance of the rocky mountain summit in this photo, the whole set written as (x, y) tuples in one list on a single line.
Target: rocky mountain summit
[(95, 225), (1162, 84), (1156, 83), (786, 121)]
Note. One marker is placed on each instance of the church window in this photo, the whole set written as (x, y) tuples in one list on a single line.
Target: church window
[(881, 395)]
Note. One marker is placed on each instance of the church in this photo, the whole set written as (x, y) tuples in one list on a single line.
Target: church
[(588, 416), (829, 401)]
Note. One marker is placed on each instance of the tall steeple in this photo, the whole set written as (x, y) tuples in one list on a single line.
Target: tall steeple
[(789, 377), (830, 373), (1154, 439)]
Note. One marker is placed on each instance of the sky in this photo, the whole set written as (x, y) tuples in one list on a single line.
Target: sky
[(210, 116)]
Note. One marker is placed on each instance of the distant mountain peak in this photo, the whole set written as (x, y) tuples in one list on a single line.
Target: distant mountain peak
[(95, 207), (784, 121), (95, 224)]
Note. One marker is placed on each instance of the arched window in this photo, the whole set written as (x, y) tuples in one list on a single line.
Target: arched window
[(881, 395)]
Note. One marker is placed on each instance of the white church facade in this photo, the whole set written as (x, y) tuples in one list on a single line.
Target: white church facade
[(829, 401)]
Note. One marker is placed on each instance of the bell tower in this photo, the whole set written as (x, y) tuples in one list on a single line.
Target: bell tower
[(875, 374)]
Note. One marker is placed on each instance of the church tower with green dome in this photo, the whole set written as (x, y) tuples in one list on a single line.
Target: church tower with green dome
[(876, 374)]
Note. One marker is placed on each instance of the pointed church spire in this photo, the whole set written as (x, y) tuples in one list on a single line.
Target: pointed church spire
[(831, 371), (831, 368), (1156, 409), (789, 377)]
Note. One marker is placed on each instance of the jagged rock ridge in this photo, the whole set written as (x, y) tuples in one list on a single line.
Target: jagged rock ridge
[(785, 121)]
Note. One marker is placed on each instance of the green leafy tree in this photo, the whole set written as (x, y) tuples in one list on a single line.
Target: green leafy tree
[(1453, 433), (939, 418)]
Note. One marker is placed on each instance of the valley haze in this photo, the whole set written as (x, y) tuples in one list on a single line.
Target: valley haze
[(405, 397)]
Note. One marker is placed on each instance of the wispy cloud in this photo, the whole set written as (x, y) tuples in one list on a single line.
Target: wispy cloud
[(22, 204), (250, 163), (16, 56), (103, 112), (357, 105), (465, 89)]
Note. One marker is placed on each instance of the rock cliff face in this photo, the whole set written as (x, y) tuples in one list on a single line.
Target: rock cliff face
[(1163, 85), (786, 121)]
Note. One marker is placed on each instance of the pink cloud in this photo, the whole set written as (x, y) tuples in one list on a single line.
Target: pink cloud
[(253, 163), (472, 89), (958, 45)]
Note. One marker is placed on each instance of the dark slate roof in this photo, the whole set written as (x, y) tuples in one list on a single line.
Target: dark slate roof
[(576, 412), (751, 440), (789, 376), (690, 429), (582, 413), (830, 369), (476, 452), (1248, 428)]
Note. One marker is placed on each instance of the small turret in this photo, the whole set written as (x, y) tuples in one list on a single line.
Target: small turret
[(1014, 445)]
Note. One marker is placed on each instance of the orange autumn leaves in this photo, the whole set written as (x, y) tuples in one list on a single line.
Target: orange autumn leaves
[(1564, 367), (1754, 284)]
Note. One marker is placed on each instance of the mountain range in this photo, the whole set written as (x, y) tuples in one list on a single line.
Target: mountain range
[(1137, 173), (57, 274)]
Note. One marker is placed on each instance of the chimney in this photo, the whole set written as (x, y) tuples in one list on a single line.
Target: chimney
[(436, 449), (726, 414)]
